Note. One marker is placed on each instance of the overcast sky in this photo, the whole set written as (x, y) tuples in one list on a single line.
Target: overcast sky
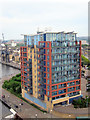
[(26, 16)]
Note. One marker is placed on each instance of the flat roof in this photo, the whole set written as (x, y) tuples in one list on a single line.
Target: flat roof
[(41, 33)]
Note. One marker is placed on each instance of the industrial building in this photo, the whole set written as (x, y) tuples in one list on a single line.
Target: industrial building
[(51, 68)]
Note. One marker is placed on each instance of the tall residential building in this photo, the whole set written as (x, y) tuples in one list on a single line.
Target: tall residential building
[(51, 68)]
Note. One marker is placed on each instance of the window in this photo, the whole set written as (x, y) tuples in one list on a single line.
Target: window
[(48, 93), (44, 63), (54, 93), (44, 74), (44, 57), (47, 81), (48, 98), (25, 55), (54, 87), (24, 49), (47, 63), (48, 87), (47, 69), (44, 86), (47, 45), (77, 87), (44, 68), (48, 75), (44, 80), (47, 57), (44, 51), (47, 51), (22, 82)]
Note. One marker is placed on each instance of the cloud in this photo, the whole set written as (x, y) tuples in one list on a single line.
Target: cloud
[(24, 16)]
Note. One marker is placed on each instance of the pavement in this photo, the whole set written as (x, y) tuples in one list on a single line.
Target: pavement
[(26, 110)]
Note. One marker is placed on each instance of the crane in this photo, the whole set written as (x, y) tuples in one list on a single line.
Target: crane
[(5, 53)]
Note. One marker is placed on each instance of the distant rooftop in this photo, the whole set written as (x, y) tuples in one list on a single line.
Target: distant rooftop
[(45, 32)]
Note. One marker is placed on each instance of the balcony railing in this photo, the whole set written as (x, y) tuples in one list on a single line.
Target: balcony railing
[(30, 92), (41, 86), (40, 46), (40, 92), (40, 64), (40, 58), (41, 81)]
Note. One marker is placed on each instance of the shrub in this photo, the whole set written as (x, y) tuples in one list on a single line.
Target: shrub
[(18, 89), (75, 106), (18, 79), (85, 61), (74, 102), (18, 75)]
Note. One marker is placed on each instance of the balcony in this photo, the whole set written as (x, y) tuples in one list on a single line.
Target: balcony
[(29, 82), (71, 90), (41, 86), (40, 52), (41, 81), (29, 77), (53, 66), (27, 67), (40, 97), (30, 92), (40, 58), (40, 64), (56, 60), (39, 70), (40, 46), (40, 75), (40, 92), (31, 46), (27, 61)]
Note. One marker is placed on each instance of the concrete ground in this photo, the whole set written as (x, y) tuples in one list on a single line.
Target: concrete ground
[(25, 110), (28, 111)]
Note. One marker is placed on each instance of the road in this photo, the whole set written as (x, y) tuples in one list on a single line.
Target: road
[(25, 110)]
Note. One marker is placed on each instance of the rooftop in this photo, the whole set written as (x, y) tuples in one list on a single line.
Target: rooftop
[(45, 32)]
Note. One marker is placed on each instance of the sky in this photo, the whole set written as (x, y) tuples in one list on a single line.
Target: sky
[(27, 16)]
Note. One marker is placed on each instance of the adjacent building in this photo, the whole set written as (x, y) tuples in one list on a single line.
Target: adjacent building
[(51, 68)]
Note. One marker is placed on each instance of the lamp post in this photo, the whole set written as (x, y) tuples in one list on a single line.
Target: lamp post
[(87, 102), (69, 115), (20, 107), (36, 115), (8, 98), (51, 113)]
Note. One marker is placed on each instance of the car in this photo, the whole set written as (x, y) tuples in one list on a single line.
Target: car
[(16, 106), (3, 96)]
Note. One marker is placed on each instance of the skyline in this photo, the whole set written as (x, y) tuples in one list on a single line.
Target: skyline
[(26, 17)]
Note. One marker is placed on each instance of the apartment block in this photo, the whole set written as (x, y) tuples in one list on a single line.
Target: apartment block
[(51, 68)]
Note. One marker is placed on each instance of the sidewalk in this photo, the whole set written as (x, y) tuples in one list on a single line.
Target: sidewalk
[(25, 110)]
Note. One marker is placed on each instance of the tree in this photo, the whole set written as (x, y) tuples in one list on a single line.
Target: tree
[(85, 61)]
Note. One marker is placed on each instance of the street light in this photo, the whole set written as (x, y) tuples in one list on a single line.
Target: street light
[(51, 113), (36, 115), (87, 102), (20, 107), (8, 98)]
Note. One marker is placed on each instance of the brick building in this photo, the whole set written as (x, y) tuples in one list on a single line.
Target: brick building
[(51, 68)]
